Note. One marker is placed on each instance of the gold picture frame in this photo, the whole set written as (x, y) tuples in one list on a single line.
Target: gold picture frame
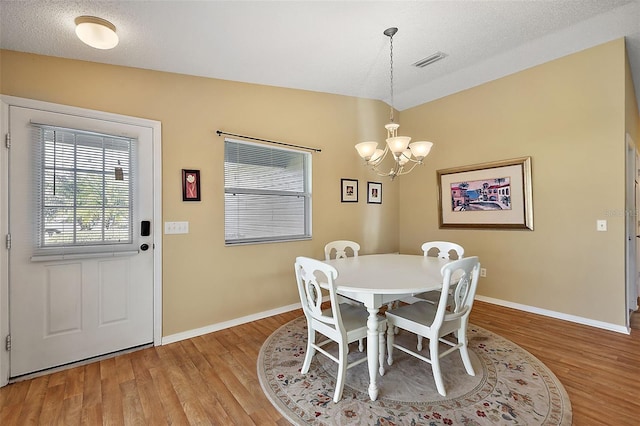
[(495, 195)]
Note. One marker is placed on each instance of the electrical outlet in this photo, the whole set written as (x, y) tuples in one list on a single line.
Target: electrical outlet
[(483, 272)]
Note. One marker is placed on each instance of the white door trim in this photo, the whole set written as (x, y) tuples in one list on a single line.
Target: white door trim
[(155, 126), (631, 225)]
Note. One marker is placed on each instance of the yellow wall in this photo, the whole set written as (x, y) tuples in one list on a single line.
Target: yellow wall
[(204, 281), (569, 116)]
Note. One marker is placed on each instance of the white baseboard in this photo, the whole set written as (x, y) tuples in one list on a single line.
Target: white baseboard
[(227, 324), (260, 315), (558, 315)]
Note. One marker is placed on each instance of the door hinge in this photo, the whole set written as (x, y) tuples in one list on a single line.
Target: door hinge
[(8, 241), (8, 343), (7, 140)]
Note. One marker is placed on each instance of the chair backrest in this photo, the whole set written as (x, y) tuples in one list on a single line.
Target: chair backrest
[(462, 273), (312, 277), (443, 248), (340, 247)]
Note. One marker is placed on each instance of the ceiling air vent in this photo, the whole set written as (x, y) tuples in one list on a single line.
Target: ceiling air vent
[(430, 59)]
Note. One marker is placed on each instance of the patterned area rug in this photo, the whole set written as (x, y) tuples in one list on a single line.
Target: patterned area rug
[(511, 386)]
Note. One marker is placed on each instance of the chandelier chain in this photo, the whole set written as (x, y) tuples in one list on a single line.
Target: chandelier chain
[(391, 73)]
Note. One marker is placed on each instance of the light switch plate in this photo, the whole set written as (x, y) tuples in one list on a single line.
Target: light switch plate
[(176, 227), (601, 225)]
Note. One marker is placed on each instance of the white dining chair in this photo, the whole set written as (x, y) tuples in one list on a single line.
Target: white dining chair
[(436, 321), (341, 249), (341, 323), (442, 250)]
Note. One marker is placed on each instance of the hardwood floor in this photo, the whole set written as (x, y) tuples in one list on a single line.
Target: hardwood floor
[(212, 379), (599, 369)]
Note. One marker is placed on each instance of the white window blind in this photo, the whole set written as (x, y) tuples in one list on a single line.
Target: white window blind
[(83, 191), (267, 193)]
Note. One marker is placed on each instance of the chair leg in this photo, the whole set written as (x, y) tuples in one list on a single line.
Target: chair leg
[(392, 305), (343, 351), (419, 346), (381, 350), (464, 352), (311, 351), (435, 365), (390, 337)]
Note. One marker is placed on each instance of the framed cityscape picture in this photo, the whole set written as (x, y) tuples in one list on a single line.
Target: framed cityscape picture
[(489, 195)]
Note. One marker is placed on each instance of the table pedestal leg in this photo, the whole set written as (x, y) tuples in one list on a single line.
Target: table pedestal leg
[(372, 351)]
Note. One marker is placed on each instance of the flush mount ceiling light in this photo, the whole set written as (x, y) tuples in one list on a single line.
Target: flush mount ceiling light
[(404, 153), (96, 32)]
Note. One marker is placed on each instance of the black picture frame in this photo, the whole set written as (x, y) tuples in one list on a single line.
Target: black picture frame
[(349, 190), (374, 192), (190, 185)]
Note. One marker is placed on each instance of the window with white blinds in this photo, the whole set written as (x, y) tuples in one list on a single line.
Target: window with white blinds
[(267, 193), (84, 191)]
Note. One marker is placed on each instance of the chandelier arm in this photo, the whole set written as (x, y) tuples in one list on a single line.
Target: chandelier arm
[(396, 170), (379, 160), (379, 173), (405, 172), (413, 160)]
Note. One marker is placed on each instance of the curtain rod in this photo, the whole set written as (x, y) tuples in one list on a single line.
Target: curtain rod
[(220, 132)]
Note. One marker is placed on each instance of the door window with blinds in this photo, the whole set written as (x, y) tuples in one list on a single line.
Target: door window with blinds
[(84, 191), (267, 193)]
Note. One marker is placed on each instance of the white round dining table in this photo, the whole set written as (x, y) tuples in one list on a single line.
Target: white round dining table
[(379, 279)]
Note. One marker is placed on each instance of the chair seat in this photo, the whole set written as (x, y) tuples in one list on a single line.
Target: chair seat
[(432, 297), (429, 296), (418, 317), (420, 313), (348, 300), (354, 317)]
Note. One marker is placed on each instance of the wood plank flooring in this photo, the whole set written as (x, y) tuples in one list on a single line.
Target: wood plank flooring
[(212, 379)]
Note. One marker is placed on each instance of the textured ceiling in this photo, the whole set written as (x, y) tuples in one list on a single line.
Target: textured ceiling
[(334, 47)]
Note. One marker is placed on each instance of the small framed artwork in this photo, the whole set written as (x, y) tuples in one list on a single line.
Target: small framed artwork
[(493, 195), (349, 190), (374, 192), (190, 185)]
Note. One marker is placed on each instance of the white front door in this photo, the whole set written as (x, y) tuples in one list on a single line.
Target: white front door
[(70, 297)]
